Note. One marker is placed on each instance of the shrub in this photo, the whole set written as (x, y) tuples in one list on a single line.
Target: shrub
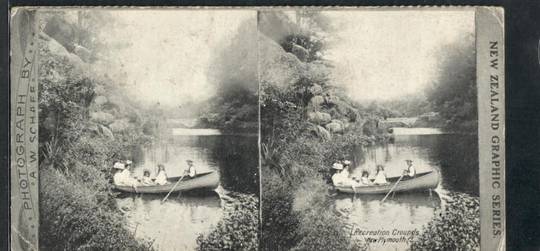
[(75, 218), (279, 222), (238, 229), (457, 227)]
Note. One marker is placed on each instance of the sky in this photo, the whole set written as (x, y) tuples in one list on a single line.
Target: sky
[(171, 50), (384, 55)]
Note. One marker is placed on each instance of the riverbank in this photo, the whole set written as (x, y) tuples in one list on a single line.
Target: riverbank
[(86, 123)]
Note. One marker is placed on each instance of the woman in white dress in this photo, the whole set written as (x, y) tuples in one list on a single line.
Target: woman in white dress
[(380, 177)]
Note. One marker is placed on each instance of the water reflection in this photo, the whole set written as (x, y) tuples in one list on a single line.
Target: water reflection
[(401, 211), (182, 217)]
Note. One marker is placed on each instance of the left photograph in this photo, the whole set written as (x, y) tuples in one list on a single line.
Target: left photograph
[(148, 128)]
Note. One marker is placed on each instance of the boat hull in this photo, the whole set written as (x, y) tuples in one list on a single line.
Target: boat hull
[(421, 182), (203, 181)]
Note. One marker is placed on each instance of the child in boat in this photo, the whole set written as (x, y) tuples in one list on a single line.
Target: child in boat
[(191, 170), (380, 177), (365, 179), (146, 180), (161, 177)]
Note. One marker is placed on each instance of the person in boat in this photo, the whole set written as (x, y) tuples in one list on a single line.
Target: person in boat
[(337, 178), (191, 171), (146, 180), (380, 177), (161, 177), (122, 177), (365, 179), (128, 164), (341, 177), (346, 168), (410, 172)]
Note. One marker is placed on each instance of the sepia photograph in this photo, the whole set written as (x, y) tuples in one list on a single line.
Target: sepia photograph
[(261, 128), (148, 124), (369, 130)]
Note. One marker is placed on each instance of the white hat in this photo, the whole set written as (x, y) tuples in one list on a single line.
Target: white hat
[(118, 165), (337, 166), (346, 162), (128, 162)]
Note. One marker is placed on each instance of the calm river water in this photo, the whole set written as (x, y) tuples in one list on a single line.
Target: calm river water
[(455, 156), (176, 224)]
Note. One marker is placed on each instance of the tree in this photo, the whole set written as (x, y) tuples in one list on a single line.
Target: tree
[(453, 94)]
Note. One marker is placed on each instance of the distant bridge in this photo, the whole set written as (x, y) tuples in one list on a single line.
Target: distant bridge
[(398, 122)]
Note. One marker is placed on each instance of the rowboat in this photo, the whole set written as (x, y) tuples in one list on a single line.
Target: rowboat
[(202, 181), (422, 181)]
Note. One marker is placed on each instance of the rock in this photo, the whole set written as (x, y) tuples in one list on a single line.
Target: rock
[(276, 66), (317, 72), (102, 117), (60, 30), (335, 127), (106, 132), (300, 52), (83, 53), (323, 133), (316, 89), (315, 103), (275, 25), (119, 125), (320, 132), (100, 100), (319, 117), (56, 49)]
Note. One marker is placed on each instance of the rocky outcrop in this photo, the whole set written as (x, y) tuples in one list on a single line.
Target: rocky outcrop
[(102, 117), (336, 126), (119, 126), (276, 66), (316, 90), (106, 132), (300, 52), (320, 131), (315, 103), (319, 118)]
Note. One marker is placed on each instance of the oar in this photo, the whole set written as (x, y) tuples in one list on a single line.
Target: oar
[(395, 185), (172, 189)]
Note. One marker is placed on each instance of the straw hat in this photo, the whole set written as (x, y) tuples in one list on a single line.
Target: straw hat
[(346, 162), (337, 166), (128, 162), (118, 165)]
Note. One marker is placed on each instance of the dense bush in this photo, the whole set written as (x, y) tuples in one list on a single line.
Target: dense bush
[(238, 228), (279, 221), (457, 227), (77, 217)]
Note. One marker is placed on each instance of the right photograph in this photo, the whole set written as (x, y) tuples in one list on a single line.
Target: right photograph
[(368, 129)]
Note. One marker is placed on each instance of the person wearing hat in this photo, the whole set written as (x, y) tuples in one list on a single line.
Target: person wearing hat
[(337, 178), (410, 172), (123, 177), (191, 170), (118, 177)]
